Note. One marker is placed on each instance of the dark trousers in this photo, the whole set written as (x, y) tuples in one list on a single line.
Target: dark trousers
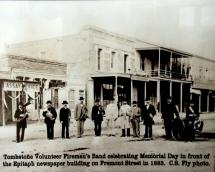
[(168, 128), (65, 126), (148, 131), (18, 129), (80, 128), (97, 128), (189, 132), (50, 130)]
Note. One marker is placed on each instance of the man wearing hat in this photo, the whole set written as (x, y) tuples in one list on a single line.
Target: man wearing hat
[(135, 119), (50, 115), (124, 114), (168, 112), (80, 116), (97, 116), (148, 114), (21, 116), (65, 115)]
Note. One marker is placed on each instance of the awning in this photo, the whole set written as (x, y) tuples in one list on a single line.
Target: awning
[(195, 91)]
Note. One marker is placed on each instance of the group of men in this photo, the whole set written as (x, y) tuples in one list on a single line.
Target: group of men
[(128, 116)]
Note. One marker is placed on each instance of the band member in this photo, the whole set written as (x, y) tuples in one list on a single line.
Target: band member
[(111, 117), (21, 116), (65, 115), (135, 119), (168, 112), (50, 115), (192, 116), (97, 116), (124, 114), (148, 114), (80, 116)]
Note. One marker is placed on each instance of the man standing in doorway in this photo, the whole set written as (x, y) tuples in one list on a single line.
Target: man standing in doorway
[(168, 112), (135, 119), (80, 116), (125, 113), (148, 114), (65, 115), (21, 116), (97, 116), (50, 115)]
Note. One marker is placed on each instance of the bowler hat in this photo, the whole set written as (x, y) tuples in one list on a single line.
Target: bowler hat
[(169, 97), (81, 98), (48, 102), (134, 102), (65, 102), (97, 100), (148, 99)]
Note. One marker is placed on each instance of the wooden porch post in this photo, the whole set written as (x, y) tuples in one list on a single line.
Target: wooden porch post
[(181, 97), (116, 89)]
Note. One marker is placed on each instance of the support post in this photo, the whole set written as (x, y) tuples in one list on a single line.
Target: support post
[(159, 61), (131, 91), (101, 91), (208, 101), (116, 90), (158, 94), (171, 65), (181, 97), (145, 91), (170, 88), (3, 111), (200, 103)]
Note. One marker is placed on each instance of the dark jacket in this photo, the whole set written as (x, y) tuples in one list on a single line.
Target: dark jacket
[(65, 115), (22, 122), (54, 116), (146, 114), (97, 113), (192, 110), (168, 112)]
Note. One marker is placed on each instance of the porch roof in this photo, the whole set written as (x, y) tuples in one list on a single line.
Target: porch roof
[(129, 76)]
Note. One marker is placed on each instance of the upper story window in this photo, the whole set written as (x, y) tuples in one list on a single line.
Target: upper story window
[(113, 54), (99, 58), (142, 66), (125, 62)]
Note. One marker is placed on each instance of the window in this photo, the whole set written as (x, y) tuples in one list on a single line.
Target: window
[(125, 63), (99, 58), (72, 99), (112, 59), (142, 63)]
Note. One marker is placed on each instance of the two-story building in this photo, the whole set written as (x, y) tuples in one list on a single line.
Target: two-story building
[(106, 65)]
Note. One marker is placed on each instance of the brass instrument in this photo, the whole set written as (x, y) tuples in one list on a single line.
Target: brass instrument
[(49, 115), (22, 116)]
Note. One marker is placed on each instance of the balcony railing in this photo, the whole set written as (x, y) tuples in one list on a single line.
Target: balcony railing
[(165, 74)]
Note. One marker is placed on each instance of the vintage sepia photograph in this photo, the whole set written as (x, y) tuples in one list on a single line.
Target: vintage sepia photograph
[(107, 86)]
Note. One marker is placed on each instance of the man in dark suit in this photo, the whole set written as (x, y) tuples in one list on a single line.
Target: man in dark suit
[(147, 115), (80, 116), (65, 115), (21, 117), (50, 115), (168, 112), (97, 117)]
